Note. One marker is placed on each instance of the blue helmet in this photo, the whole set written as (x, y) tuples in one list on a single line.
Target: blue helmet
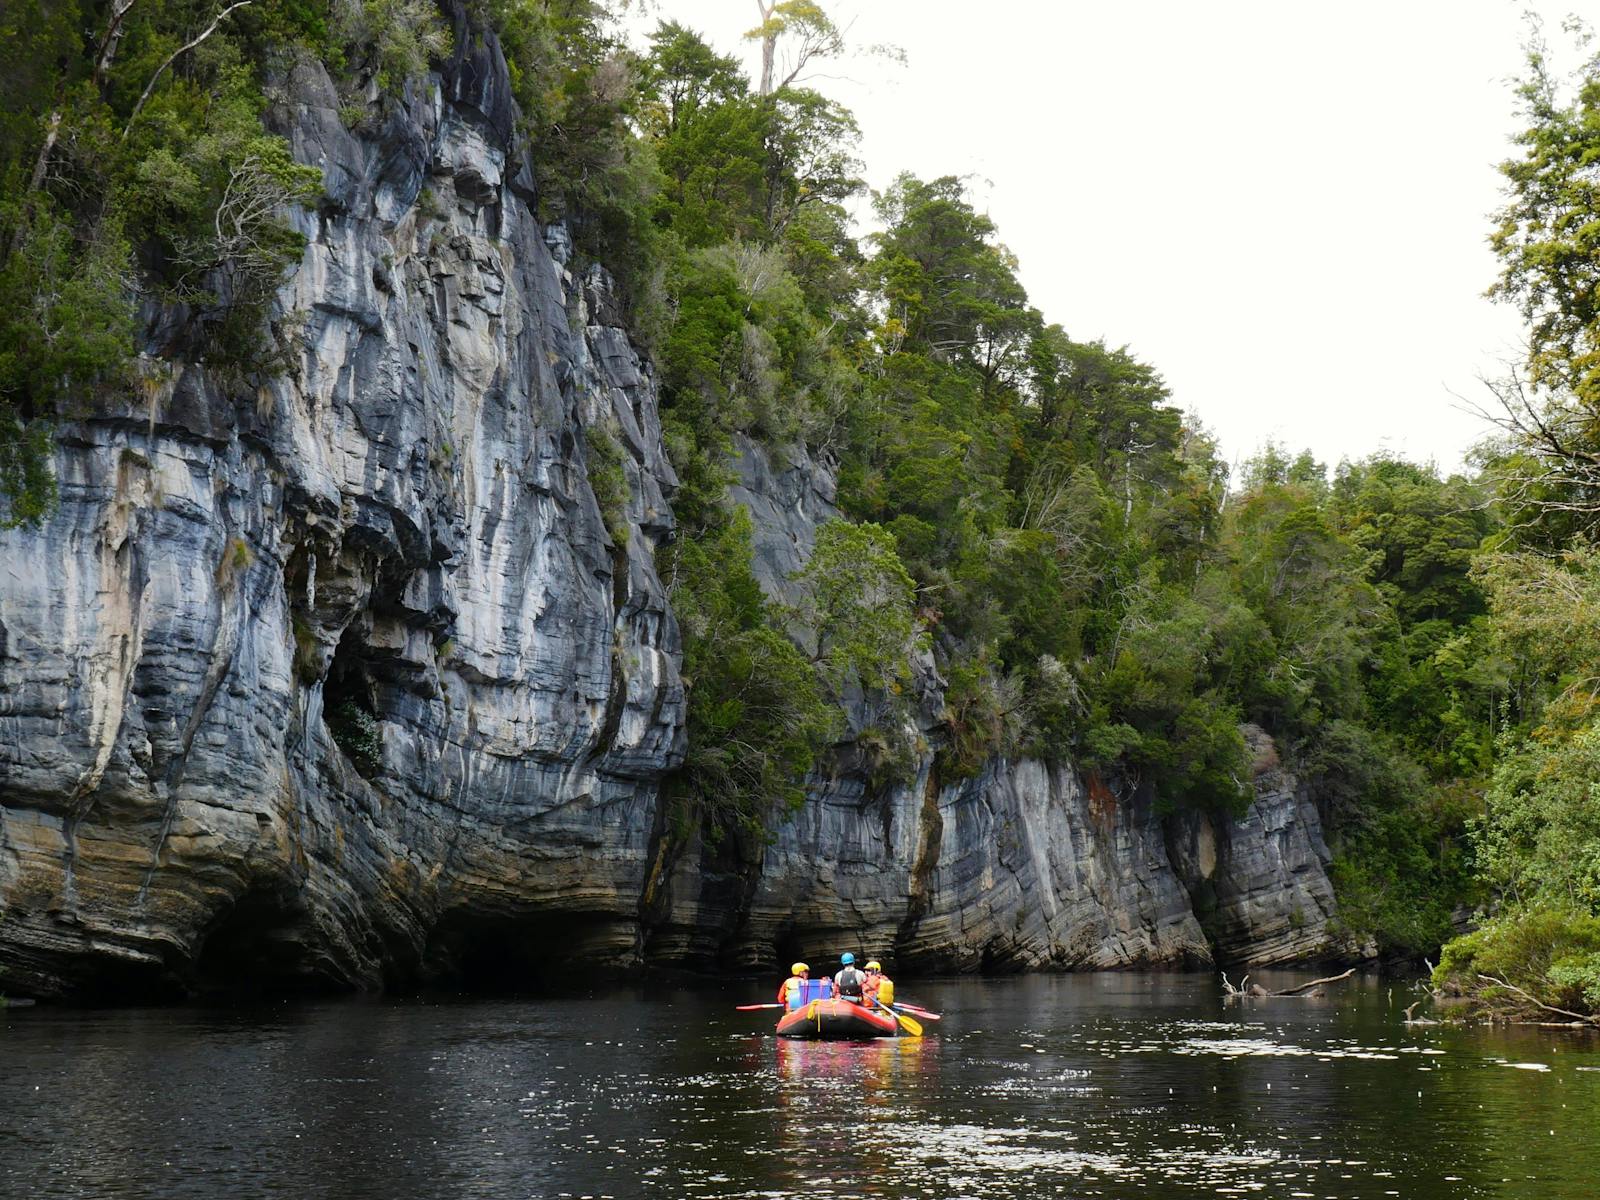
[(847, 958)]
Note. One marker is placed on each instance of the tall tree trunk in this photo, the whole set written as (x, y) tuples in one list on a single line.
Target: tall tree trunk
[(42, 163), (108, 42), (769, 44)]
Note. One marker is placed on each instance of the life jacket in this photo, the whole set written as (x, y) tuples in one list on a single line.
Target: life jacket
[(885, 990), (849, 982), (792, 992), (869, 987)]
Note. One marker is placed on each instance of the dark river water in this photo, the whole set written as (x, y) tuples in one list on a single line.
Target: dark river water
[(1114, 1085)]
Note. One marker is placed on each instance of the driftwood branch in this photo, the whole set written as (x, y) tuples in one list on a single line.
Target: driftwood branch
[(1257, 992), (1306, 987), (172, 58), (1511, 987)]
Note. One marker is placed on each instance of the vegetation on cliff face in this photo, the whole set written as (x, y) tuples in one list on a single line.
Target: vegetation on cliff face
[(1028, 512), (135, 170)]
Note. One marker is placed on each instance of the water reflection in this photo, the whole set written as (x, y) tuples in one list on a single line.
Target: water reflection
[(1087, 1086), (874, 1067)]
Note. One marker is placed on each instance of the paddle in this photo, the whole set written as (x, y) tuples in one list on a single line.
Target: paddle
[(906, 1023), (921, 1012), (753, 1007)]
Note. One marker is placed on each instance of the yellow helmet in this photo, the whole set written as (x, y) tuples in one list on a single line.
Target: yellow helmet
[(874, 966), (797, 968)]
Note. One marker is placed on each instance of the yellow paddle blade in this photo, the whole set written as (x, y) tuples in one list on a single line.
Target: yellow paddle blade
[(914, 1028)]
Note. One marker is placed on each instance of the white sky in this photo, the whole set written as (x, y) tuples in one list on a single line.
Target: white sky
[(1281, 206)]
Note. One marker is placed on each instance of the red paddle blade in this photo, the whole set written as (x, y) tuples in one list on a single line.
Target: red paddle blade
[(753, 1007)]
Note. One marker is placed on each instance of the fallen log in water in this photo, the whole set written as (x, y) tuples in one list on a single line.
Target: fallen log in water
[(1576, 1019), (1257, 992)]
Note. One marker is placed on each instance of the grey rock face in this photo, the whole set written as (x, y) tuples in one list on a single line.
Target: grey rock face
[(1019, 868), (1260, 883), (349, 680), (330, 678)]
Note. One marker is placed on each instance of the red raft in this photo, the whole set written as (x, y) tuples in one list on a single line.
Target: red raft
[(837, 1019)]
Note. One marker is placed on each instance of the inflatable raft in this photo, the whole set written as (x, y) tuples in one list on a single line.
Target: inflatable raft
[(837, 1019)]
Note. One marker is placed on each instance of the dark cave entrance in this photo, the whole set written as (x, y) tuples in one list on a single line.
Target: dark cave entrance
[(261, 946), (536, 952), (348, 708), (790, 949)]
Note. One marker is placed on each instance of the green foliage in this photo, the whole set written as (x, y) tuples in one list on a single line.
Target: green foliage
[(757, 713), (951, 291), (858, 600), (357, 732), (1539, 839), (1537, 842), (609, 479), (27, 483), (135, 168), (1402, 867), (1156, 704), (888, 754), (577, 87), (743, 354), (66, 314), (66, 333), (984, 715), (1547, 237), (399, 39), (1547, 621), (1551, 952)]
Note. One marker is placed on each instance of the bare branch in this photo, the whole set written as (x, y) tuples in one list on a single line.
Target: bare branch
[(173, 57), (1511, 987)]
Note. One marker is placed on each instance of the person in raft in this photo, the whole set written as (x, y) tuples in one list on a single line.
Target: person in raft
[(878, 988), (849, 981), (792, 991)]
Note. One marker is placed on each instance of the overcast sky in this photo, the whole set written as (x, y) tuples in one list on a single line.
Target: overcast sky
[(1282, 206)]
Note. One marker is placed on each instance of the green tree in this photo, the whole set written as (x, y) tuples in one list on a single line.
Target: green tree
[(135, 169), (950, 289), (859, 601), (1547, 237)]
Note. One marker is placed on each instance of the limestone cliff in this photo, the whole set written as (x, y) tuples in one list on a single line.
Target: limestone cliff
[(353, 679)]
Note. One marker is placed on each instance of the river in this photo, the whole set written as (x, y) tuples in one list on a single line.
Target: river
[(1106, 1085)]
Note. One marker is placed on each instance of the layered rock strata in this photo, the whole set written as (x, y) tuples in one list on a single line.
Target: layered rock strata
[(345, 675)]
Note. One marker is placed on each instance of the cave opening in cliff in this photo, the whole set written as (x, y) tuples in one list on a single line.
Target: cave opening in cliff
[(535, 952), (347, 706), (259, 946), (789, 947)]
